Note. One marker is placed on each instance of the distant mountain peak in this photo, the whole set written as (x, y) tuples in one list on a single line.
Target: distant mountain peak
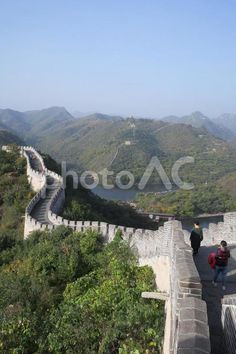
[(227, 121), (55, 108), (104, 117), (199, 120), (199, 115)]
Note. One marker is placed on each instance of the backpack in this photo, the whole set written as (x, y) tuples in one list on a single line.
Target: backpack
[(212, 260)]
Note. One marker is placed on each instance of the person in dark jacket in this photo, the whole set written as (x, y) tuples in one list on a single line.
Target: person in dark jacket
[(196, 237), (222, 256)]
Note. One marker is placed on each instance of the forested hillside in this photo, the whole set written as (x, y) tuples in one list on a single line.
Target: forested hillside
[(205, 199), (81, 204), (63, 292), (99, 141), (15, 193), (228, 184)]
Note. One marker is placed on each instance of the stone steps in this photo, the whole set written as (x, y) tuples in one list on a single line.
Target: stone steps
[(40, 211)]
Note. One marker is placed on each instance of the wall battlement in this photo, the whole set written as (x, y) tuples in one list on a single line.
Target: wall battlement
[(166, 250), (212, 235), (215, 233)]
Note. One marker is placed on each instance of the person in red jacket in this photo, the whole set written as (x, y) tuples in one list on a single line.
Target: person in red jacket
[(212, 260), (221, 265)]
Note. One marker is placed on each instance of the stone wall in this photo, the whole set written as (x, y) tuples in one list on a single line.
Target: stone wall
[(147, 243), (215, 233), (36, 179), (229, 322), (192, 329), (38, 183), (189, 324), (165, 250)]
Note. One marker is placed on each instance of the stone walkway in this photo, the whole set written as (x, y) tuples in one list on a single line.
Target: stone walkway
[(213, 296), (40, 210)]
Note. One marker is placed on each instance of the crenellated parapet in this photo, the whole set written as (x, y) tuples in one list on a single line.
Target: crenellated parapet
[(165, 250), (37, 179), (215, 233), (38, 183)]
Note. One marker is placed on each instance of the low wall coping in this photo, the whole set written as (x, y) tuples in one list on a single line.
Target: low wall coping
[(193, 331), (154, 295)]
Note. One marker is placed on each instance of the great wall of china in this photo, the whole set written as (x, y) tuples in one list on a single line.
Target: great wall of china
[(166, 250)]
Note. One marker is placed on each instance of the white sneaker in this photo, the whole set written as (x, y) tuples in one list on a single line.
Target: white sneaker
[(214, 284), (223, 288)]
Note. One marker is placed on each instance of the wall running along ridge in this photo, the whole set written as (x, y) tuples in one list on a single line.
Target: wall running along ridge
[(166, 250)]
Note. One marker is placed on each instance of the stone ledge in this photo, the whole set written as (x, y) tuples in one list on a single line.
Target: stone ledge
[(193, 313), (187, 274), (190, 311), (193, 303), (193, 330), (154, 295), (193, 295), (192, 351), (229, 300), (179, 241), (189, 282), (193, 327), (195, 343)]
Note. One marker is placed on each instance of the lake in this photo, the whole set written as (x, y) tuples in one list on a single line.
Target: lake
[(130, 194), (126, 195)]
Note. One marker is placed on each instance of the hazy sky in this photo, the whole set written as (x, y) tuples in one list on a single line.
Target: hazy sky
[(132, 57)]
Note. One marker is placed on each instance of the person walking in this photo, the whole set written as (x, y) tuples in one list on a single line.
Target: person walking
[(196, 237), (222, 256)]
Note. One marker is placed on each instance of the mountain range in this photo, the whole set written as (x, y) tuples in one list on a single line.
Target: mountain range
[(220, 126), (99, 141)]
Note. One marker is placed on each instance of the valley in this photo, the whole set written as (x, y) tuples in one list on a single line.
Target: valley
[(115, 143), (98, 141)]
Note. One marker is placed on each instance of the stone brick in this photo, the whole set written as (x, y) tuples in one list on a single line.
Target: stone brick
[(191, 351), (193, 313), (192, 284), (196, 342), (193, 303), (194, 327), (194, 295), (195, 291)]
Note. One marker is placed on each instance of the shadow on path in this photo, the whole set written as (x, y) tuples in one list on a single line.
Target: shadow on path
[(213, 296)]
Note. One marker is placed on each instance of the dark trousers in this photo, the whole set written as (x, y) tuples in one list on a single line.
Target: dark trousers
[(223, 271), (195, 250), (195, 246)]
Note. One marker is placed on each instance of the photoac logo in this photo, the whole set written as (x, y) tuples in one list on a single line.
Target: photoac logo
[(125, 179)]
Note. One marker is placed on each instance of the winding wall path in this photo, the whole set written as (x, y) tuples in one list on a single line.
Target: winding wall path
[(167, 251), (40, 210)]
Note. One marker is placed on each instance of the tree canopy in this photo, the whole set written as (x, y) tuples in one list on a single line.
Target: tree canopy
[(204, 199), (64, 292)]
